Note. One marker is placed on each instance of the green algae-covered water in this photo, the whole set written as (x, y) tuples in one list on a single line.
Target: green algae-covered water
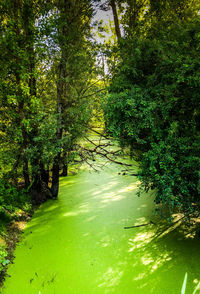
[(78, 245)]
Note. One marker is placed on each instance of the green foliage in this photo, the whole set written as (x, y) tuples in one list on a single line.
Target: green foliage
[(3, 258), (153, 107), (45, 84), (11, 198)]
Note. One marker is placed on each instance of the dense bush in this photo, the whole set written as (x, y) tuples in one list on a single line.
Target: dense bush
[(154, 107), (12, 198), (3, 258)]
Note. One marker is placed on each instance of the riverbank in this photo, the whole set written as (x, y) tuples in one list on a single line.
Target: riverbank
[(10, 236)]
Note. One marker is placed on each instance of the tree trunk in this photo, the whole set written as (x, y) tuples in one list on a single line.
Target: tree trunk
[(13, 171), (116, 20), (61, 87), (56, 164), (133, 10), (36, 190), (44, 173), (40, 191), (55, 177), (65, 170), (26, 171)]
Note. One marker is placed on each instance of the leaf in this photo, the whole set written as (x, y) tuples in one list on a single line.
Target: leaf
[(184, 284), (5, 262)]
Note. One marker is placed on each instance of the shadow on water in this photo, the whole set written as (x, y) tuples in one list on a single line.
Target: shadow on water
[(78, 244)]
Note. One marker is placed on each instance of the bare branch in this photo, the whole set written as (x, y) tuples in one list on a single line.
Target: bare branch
[(93, 93), (98, 133)]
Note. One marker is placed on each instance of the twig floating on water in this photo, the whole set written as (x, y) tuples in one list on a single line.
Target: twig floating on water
[(137, 226)]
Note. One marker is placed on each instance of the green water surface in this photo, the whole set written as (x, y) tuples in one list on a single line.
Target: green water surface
[(77, 244)]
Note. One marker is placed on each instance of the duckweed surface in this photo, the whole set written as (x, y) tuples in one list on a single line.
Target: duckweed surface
[(78, 245)]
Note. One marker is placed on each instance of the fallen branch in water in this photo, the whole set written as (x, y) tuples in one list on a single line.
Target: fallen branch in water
[(99, 133), (89, 154), (106, 156), (102, 147), (137, 226), (134, 175)]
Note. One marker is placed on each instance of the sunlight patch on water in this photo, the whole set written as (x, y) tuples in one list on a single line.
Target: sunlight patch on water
[(65, 183), (111, 277), (72, 213), (91, 218), (139, 277), (160, 261), (147, 259), (51, 208), (107, 187), (84, 208), (112, 196), (140, 240), (105, 241), (129, 188), (140, 221)]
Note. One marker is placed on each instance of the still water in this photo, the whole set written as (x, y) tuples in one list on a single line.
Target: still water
[(78, 245)]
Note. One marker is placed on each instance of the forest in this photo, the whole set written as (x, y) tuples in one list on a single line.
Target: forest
[(125, 70)]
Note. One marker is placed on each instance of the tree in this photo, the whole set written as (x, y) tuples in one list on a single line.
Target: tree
[(17, 78), (73, 72), (46, 83), (153, 108)]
